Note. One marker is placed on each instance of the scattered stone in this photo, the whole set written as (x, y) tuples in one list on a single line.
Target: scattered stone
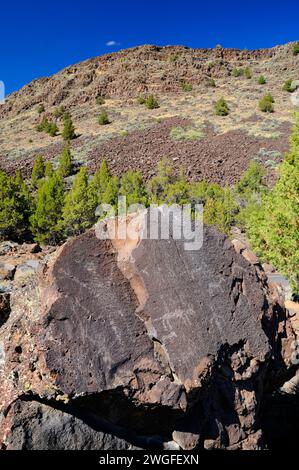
[(6, 271)]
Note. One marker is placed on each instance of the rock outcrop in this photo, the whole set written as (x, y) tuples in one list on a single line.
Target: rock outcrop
[(138, 344)]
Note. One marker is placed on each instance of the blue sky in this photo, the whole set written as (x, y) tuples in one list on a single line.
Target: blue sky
[(40, 38)]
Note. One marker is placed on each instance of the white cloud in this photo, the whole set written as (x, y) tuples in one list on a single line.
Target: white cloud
[(112, 43)]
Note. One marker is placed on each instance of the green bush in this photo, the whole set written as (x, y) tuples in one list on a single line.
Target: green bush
[(187, 87), (211, 83), (191, 133), (103, 119), (46, 217), (248, 73), (59, 112), (273, 227), (296, 49), (48, 127), (266, 103), (132, 187), (69, 132), (141, 100), (262, 80), (100, 100), (252, 182), (78, 212), (151, 102), (237, 72), (221, 107), (289, 86), (66, 163), (41, 109), (15, 207), (38, 171)]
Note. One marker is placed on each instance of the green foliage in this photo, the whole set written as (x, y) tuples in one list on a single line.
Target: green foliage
[(99, 185), (103, 119), (190, 133), (141, 99), (221, 210), (251, 182), (262, 80), (173, 58), (289, 86), (273, 228), (59, 112), (48, 127), (158, 185), (41, 109), (237, 72), (48, 204), (151, 102), (100, 100), (187, 87), (66, 163), (266, 103), (221, 107), (15, 206), (69, 132), (38, 171), (49, 169), (132, 187), (78, 212), (296, 49), (178, 191), (211, 83), (248, 73)]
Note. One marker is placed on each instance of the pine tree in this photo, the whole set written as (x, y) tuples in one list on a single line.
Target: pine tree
[(111, 193), (78, 213), (68, 132), (99, 185), (66, 162), (132, 187), (48, 204), (38, 171), (15, 206), (49, 170)]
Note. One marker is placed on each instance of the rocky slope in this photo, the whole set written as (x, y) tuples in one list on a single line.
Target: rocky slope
[(141, 344), (138, 137)]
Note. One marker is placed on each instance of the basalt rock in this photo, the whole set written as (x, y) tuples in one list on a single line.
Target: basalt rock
[(141, 343)]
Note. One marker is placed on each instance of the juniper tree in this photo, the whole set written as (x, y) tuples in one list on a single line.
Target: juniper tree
[(15, 206), (78, 214), (47, 212), (38, 171), (69, 132), (133, 188), (99, 184), (273, 227), (66, 162)]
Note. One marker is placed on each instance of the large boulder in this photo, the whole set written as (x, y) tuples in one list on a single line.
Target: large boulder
[(162, 343)]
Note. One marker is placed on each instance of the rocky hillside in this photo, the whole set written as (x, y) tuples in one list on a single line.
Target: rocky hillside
[(113, 345), (184, 128)]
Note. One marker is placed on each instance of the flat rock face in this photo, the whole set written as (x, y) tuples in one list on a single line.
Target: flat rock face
[(145, 336), (219, 300)]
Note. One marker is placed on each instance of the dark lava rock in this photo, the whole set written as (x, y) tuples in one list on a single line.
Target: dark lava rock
[(161, 343)]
